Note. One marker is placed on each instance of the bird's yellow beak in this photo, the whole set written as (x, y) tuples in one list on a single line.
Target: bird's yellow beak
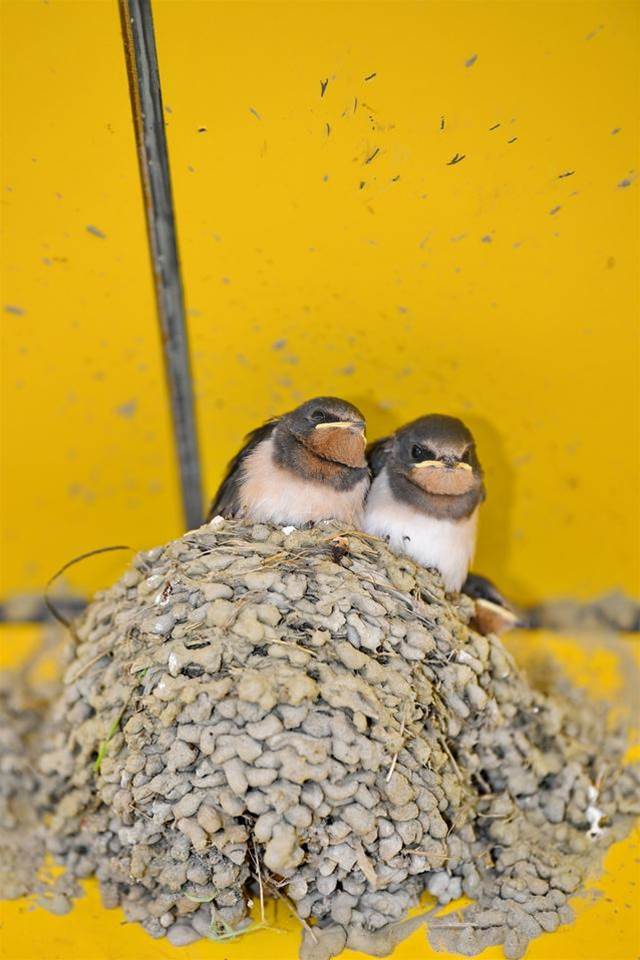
[(439, 465)]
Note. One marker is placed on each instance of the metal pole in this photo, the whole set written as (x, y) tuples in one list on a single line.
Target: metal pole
[(148, 119)]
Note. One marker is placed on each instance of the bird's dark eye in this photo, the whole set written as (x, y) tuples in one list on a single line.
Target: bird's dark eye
[(418, 452), (318, 416), (466, 456)]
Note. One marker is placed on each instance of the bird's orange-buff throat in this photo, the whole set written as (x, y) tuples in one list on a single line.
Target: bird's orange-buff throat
[(341, 442), (435, 477)]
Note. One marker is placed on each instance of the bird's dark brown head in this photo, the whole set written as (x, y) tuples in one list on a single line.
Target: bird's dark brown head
[(323, 439), (432, 463)]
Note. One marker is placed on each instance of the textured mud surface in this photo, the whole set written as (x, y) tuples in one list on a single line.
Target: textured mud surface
[(256, 712)]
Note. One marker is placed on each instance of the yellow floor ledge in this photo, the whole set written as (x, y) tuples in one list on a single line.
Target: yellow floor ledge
[(607, 928)]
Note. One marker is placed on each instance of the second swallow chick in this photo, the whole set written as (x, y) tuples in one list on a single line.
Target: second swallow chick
[(304, 466), (424, 498)]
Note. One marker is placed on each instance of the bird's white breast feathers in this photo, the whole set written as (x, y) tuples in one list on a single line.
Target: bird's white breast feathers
[(447, 545), (270, 493)]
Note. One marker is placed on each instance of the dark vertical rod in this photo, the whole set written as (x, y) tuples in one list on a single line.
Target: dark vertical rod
[(148, 119)]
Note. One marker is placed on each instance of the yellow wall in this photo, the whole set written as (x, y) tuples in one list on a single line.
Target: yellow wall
[(453, 288), (86, 442)]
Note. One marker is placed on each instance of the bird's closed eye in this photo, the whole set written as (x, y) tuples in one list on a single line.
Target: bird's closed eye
[(318, 416), (466, 456)]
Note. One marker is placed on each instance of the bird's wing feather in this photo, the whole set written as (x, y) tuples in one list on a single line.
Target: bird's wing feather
[(377, 454), (226, 502)]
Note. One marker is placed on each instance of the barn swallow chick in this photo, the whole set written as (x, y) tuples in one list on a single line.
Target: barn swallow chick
[(306, 465), (493, 613), (425, 495)]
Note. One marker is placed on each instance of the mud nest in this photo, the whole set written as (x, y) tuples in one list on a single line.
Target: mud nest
[(256, 712)]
